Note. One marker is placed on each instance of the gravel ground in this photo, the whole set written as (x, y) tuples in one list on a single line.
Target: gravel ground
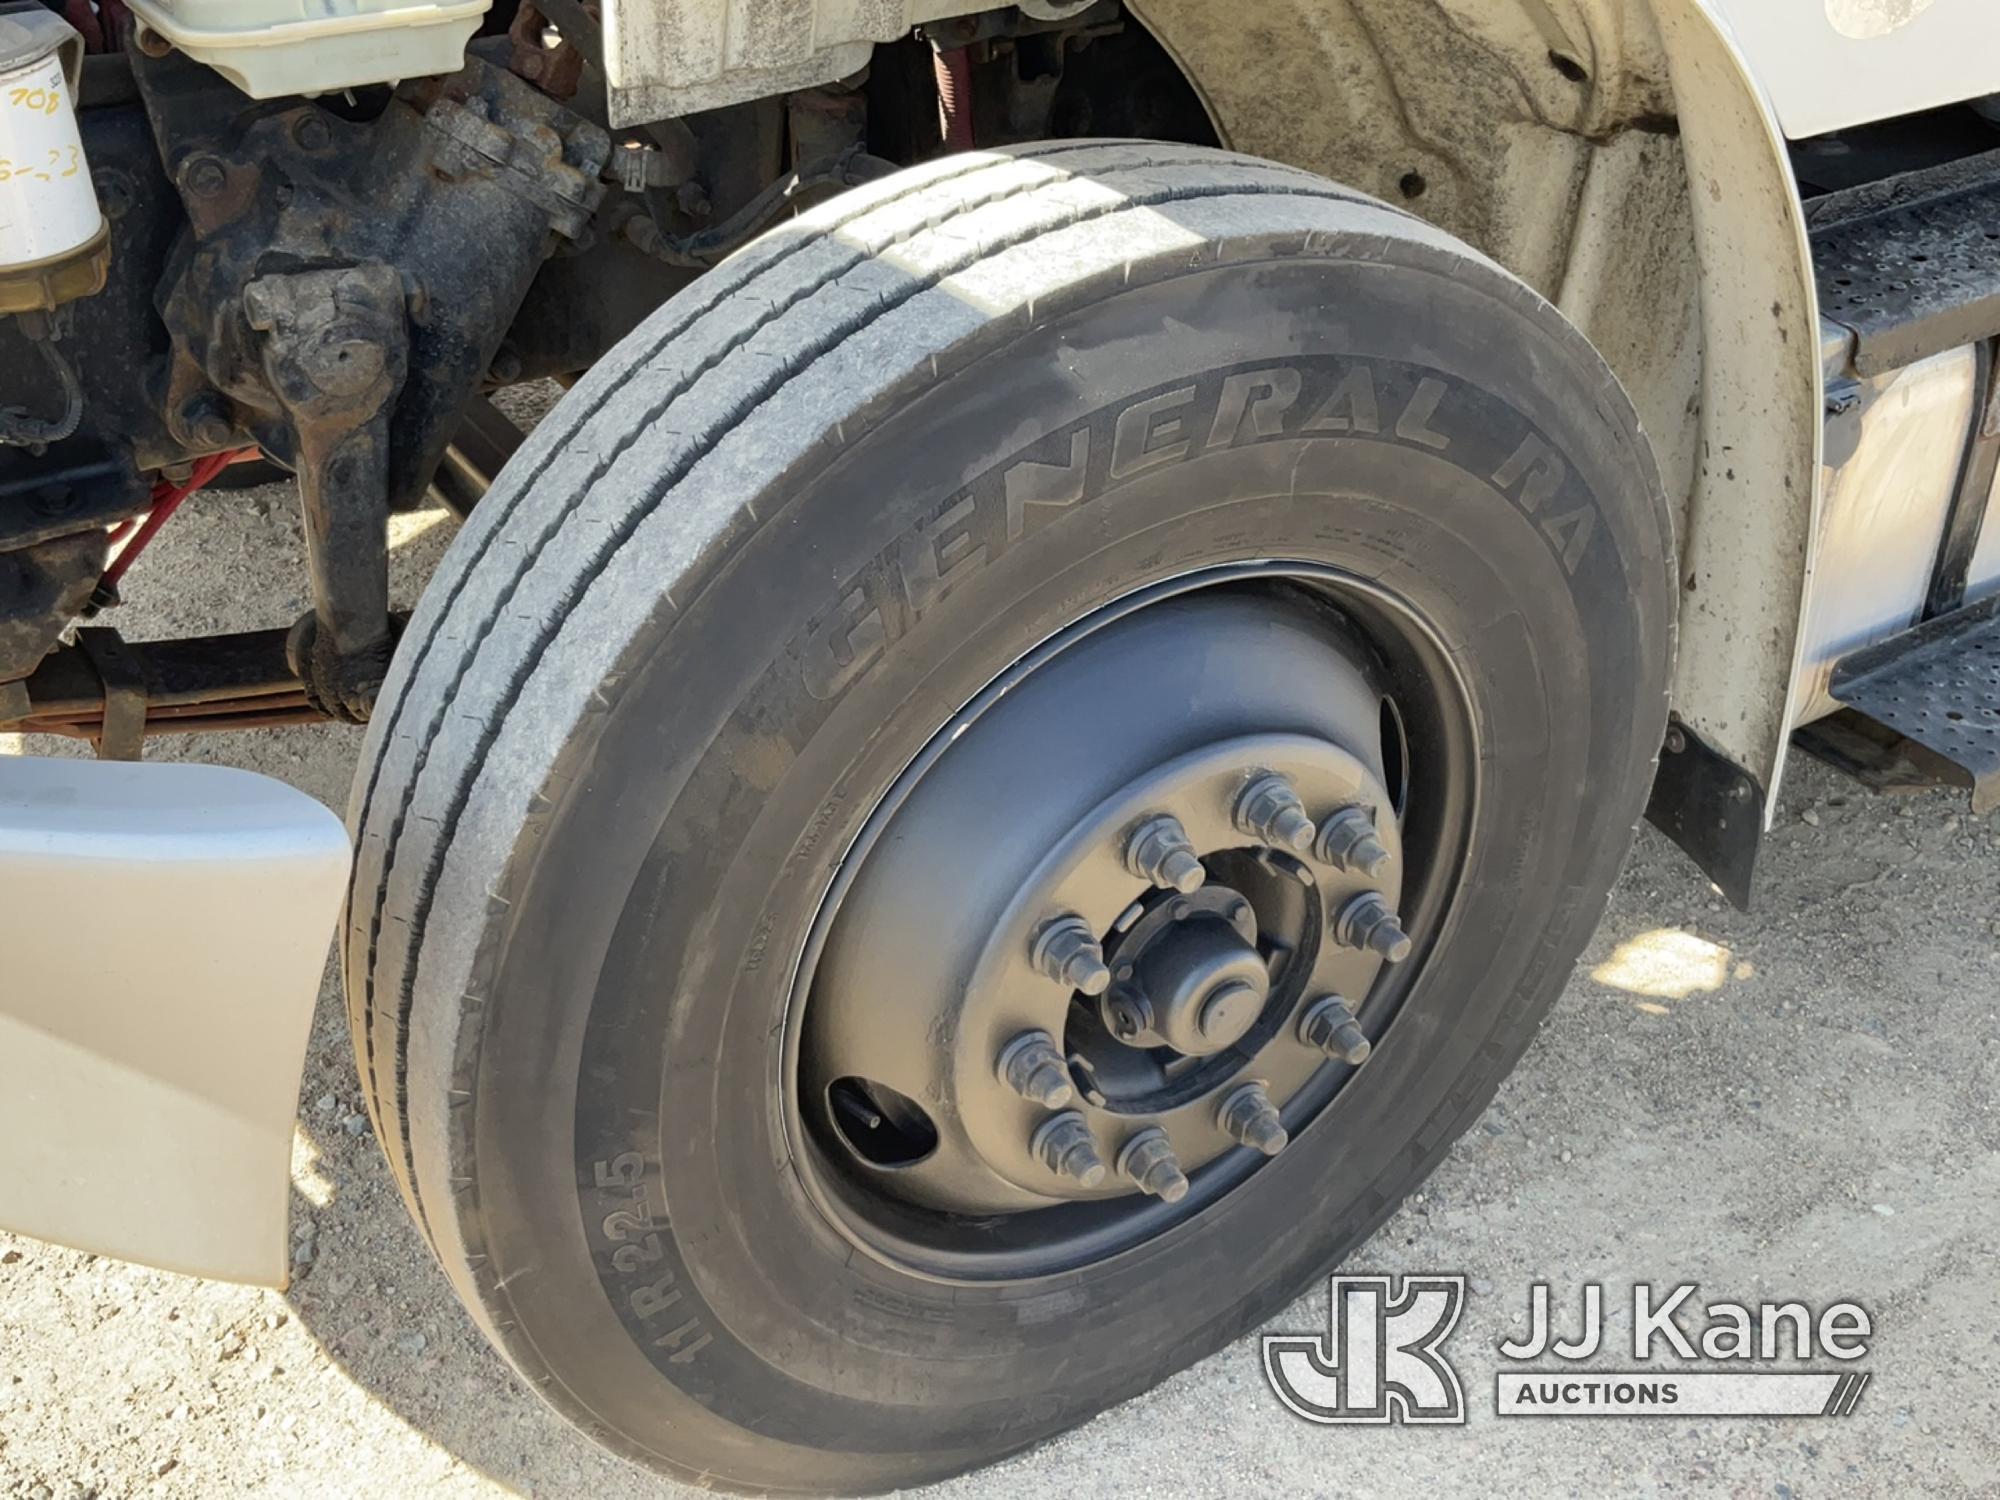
[(1795, 1104)]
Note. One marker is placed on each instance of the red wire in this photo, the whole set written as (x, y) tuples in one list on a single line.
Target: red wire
[(167, 497)]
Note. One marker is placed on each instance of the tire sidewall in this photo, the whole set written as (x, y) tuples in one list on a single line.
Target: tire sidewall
[(762, 719)]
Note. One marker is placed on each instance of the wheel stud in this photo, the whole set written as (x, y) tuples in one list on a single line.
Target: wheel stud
[(1160, 852), (1367, 922), (1064, 1146), (1249, 1116), (1149, 1160), (1031, 1066), (1271, 813), (1347, 841), (1066, 950), (1330, 1026)]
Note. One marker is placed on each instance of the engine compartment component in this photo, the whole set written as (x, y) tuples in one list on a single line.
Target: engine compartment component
[(330, 259), (53, 242), (270, 50)]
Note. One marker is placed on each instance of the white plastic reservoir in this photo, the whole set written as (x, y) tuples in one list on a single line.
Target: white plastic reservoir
[(47, 205)]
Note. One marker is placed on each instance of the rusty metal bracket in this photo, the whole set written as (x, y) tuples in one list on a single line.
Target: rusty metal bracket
[(336, 352), (122, 733)]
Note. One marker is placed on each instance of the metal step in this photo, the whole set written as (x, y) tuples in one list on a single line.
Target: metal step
[(1911, 265), (1938, 684)]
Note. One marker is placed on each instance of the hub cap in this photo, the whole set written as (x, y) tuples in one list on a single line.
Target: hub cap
[(1113, 940)]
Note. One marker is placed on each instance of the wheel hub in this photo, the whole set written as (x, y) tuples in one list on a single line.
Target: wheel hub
[(1115, 930), (1188, 976)]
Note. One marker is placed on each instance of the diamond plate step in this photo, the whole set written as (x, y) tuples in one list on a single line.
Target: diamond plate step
[(1912, 264), (1939, 685)]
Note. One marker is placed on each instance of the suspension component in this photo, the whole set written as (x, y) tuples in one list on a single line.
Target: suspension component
[(1330, 1026), (1347, 841), (1249, 1117), (1160, 852), (1148, 1160), (1031, 1066), (1066, 950), (1367, 922), (1269, 810), (1064, 1146)]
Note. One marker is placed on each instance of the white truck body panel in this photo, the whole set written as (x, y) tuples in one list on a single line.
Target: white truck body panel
[(165, 930), (1830, 64)]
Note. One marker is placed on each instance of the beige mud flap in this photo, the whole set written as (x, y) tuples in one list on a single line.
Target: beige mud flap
[(163, 929)]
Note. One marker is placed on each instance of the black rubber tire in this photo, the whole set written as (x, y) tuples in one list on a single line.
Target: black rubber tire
[(736, 579)]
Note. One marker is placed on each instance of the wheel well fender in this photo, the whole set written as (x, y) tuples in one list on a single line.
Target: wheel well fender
[(1620, 157)]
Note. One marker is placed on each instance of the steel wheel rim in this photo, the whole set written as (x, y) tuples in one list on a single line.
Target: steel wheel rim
[(1425, 709)]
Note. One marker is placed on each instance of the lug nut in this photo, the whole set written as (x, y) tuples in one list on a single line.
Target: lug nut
[(1249, 1116), (1066, 951), (1271, 813), (1330, 1026), (1160, 852), (1150, 1162), (1347, 841), (1064, 1146), (1367, 922), (1031, 1066)]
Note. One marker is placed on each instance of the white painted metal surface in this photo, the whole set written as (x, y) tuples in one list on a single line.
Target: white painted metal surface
[(47, 205), (272, 48), (1983, 576), (1882, 513), (163, 929), (1829, 64), (673, 57)]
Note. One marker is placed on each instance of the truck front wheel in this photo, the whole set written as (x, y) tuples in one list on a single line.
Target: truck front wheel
[(989, 794)]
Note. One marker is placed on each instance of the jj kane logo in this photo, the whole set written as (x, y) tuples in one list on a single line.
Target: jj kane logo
[(1380, 1361), (1382, 1358)]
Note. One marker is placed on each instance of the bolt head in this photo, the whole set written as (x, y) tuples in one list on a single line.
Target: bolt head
[(1066, 950), (1063, 1145), (1367, 922), (1347, 841), (1249, 1117), (1160, 853), (204, 176), (1269, 811), (312, 132), (1031, 1066), (1330, 1026), (1148, 1160)]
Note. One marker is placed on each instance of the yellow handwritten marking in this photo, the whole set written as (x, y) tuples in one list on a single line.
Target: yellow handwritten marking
[(35, 101)]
